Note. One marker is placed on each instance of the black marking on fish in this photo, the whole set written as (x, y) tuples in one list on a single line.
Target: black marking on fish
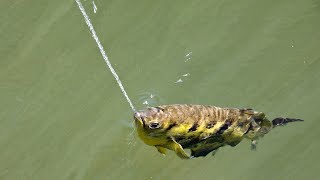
[(259, 121), (159, 109), (194, 127), (171, 126), (179, 138), (240, 124), (143, 121), (210, 125), (214, 139), (248, 111), (224, 127), (250, 128), (188, 143)]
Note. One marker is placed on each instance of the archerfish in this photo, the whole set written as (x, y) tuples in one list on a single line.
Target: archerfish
[(201, 128)]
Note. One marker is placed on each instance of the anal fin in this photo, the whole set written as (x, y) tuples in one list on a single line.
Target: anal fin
[(204, 150), (201, 152)]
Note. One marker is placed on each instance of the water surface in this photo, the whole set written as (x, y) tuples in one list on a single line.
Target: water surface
[(62, 114)]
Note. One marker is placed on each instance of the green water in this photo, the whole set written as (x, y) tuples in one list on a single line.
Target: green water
[(63, 116)]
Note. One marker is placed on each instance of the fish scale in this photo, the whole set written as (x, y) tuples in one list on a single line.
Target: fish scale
[(219, 119)]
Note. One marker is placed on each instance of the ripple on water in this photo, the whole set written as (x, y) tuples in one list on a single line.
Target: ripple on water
[(148, 98)]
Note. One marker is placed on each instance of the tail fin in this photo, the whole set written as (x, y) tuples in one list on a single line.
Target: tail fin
[(283, 121)]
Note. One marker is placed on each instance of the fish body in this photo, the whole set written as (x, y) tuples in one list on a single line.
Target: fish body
[(201, 128)]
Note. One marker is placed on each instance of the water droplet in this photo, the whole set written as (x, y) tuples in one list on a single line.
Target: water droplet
[(145, 102), (94, 7), (187, 59), (189, 54), (179, 81)]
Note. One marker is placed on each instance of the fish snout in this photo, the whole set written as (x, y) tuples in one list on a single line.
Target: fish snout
[(138, 117)]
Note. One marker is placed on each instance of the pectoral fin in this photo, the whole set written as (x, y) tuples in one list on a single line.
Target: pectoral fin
[(161, 150), (173, 145)]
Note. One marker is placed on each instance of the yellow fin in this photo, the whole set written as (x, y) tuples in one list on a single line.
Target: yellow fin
[(178, 149), (161, 150)]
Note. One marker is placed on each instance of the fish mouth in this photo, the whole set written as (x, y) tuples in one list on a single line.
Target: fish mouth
[(139, 118)]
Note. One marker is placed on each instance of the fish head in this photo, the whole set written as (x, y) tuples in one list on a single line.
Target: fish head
[(148, 120), (150, 127)]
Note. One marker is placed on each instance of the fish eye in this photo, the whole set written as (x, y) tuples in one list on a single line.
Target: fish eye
[(154, 125)]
